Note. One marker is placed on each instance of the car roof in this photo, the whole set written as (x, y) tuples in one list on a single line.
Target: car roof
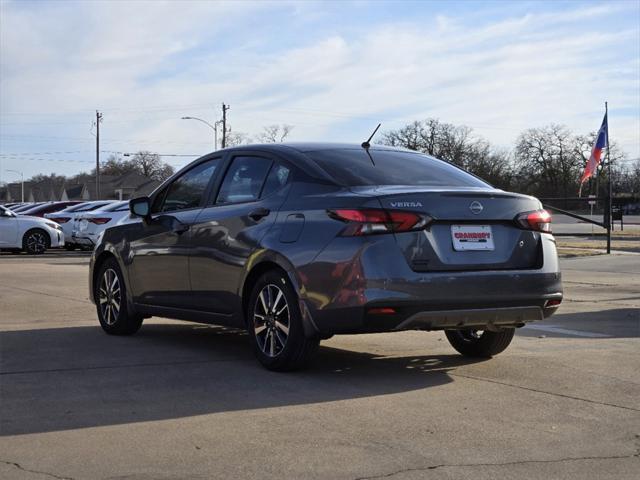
[(304, 147)]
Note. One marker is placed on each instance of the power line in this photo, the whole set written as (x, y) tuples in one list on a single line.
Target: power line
[(42, 153)]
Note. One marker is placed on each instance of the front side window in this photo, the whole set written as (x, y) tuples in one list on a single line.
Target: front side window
[(187, 190), (244, 180)]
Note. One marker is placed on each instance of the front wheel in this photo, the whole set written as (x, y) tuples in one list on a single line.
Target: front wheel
[(480, 343), (111, 301), (275, 325), (36, 242)]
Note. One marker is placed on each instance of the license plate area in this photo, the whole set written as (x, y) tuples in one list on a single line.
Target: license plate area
[(472, 237)]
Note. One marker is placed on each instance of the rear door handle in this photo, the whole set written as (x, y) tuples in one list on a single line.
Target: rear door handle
[(259, 213)]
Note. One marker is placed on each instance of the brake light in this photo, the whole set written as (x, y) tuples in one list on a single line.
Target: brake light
[(382, 311), (60, 219), (370, 221), (99, 221), (539, 221)]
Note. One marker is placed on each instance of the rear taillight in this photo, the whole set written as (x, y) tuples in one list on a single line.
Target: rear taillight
[(60, 219), (539, 221), (99, 221), (371, 221)]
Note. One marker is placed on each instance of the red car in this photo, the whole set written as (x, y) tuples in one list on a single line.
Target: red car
[(40, 210)]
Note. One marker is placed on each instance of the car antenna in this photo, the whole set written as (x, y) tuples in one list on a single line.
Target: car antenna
[(366, 145)]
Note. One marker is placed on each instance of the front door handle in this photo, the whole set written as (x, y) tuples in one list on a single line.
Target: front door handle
[(259, 213)]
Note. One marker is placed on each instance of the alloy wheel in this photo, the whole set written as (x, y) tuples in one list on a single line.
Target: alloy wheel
[(36, 242), (271, 320), (110, 296)]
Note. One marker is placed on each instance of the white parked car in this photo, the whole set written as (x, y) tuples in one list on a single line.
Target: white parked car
[(33, 235), (65, 217), (88, 226)]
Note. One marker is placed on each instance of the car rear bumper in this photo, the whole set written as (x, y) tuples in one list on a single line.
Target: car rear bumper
[(86, 240), (376, 291)]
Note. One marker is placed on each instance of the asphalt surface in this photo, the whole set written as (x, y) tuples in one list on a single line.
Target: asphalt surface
[(180, 400), (563, 224)]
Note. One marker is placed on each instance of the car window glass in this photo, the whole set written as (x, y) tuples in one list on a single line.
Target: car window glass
[(356, 167), (277, 179), (113, 207), (187, 190), (244, 180)]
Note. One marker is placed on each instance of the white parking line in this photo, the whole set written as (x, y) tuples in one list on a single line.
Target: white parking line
[(566, 331)]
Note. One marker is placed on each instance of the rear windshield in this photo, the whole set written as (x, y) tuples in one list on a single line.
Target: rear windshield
[(115, 207), (94, 206), (354, 168)]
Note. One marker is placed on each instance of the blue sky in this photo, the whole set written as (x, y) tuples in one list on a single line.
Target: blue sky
[(331, 69)]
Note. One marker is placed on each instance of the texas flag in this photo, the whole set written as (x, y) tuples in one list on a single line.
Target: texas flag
[(596, 152)]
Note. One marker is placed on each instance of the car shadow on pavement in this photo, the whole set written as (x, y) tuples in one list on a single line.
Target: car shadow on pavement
[(78, 377)]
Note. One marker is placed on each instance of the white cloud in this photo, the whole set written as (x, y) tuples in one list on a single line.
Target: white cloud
[(142, 63)]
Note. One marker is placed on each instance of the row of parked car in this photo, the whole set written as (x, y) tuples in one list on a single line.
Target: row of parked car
[(36, 227)]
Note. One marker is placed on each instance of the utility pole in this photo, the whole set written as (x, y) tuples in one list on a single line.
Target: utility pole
[(98, 120), (224, 124)]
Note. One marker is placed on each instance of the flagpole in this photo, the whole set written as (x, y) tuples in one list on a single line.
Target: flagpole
[(610, 195)]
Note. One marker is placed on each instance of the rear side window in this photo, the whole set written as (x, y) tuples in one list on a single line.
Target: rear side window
[(351, 167), (277, 178), (244, 179), (187, 190)]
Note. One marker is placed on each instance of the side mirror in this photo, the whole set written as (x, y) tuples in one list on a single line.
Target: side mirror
[(140, 207)]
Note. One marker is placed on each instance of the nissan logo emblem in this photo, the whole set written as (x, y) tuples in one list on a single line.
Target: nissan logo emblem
[(476, 207)]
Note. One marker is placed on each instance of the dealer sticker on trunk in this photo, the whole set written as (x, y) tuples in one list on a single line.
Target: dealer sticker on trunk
[(472, 237)]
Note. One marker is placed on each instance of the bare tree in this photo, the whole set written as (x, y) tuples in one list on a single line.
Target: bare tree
[(457, 145), (275, 133), (548, 162), (114, 165), (144, 162), (150, 165), (237, 138)]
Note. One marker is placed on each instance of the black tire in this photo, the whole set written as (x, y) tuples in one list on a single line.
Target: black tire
[(110, 295), (278, 339), (69, 247), (36, 241), (480, 343)]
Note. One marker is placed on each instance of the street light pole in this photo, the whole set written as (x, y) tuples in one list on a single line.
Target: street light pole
[(21, 180), (213, 127)]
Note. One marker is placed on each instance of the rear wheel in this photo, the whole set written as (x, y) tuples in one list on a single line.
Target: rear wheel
[(275, 325), (36, 241), (480, 343), (111, 301)]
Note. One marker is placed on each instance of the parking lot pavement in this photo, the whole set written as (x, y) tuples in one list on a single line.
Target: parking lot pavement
[(181, 400)]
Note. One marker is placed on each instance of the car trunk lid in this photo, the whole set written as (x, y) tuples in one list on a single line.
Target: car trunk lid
[(471, 228)]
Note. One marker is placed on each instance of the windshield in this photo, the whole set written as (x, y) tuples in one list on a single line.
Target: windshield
[(353, 167)]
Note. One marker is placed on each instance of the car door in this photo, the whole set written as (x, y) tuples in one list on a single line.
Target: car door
[(159, 247), (9, 224), (229, 229)]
